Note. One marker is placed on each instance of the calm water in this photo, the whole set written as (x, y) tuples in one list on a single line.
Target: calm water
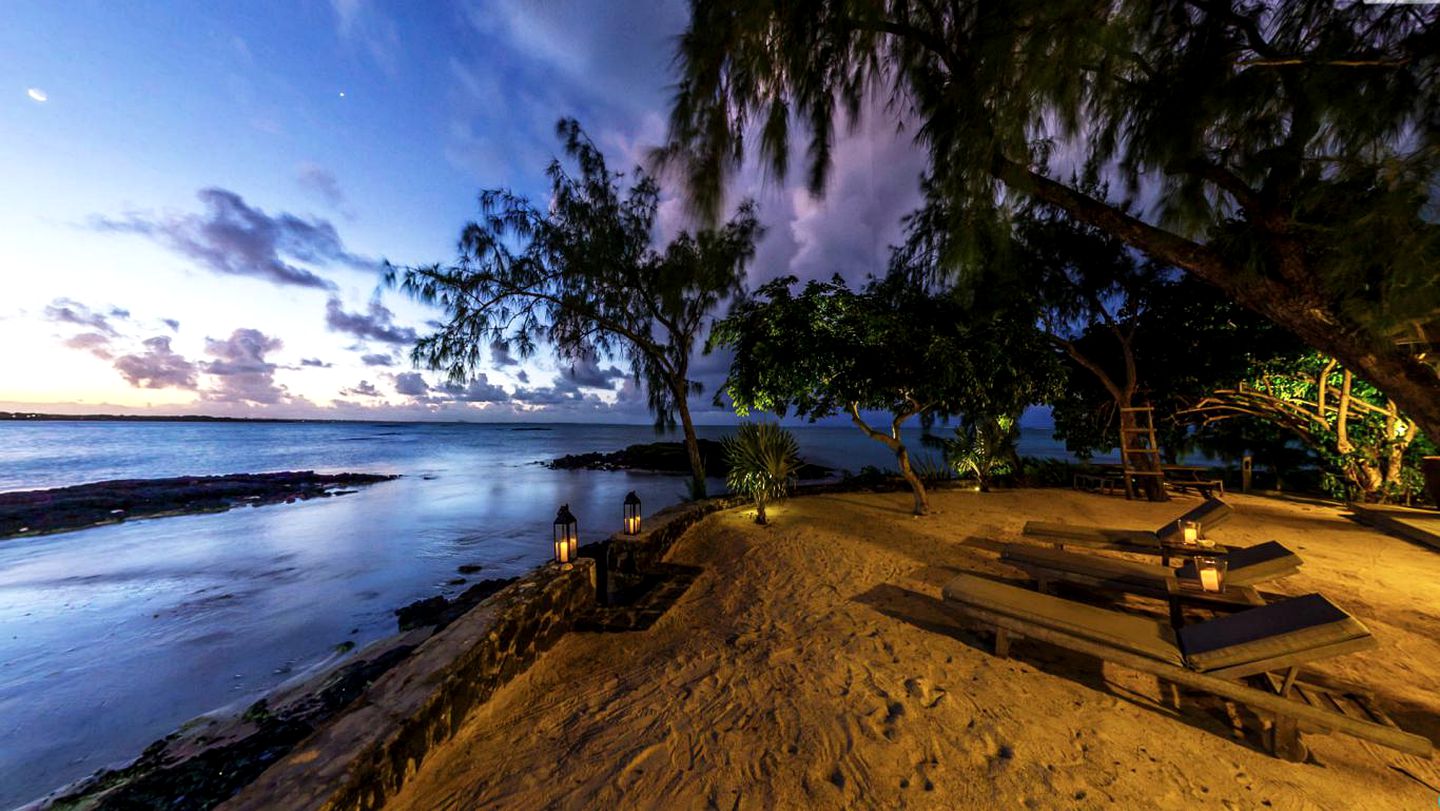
[(112, 637)]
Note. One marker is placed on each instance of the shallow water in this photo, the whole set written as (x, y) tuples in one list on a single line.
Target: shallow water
[(112, 637)]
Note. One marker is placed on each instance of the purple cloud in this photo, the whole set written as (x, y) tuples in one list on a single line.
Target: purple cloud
[(362, 389), (316, 363), (244, 374), (375, 324), (478, 390), (320, 182), (158, 367), (588, 374), (411, 384), (236, 239), (69, 311), (95, 343), (378, 360)]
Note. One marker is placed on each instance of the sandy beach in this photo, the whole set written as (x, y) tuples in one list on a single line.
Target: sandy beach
[(813, 665)]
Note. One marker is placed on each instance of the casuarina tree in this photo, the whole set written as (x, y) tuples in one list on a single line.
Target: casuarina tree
[(1284, 153), (581, 272)]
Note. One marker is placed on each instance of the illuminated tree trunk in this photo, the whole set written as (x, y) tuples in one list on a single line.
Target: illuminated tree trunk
[(692, 448), (902, 456)]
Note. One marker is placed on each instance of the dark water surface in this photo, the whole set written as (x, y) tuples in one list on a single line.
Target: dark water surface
[(112, 637)]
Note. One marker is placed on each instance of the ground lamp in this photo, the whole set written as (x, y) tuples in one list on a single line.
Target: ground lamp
[(1211, 571), (1190, 532), (632, 514), (567, 540)]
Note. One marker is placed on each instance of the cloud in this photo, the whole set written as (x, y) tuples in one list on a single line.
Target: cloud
[(500, 355), (158, 367), (358, 22), (37, 94), (411, 384), (362, 389), (244, 374), (93, 342), (375, 324), (315, 362), (378, 360), (69, 311), (321, 183), (478, 390), (588, 374), (233, 238), (523, 376), (171, 323)]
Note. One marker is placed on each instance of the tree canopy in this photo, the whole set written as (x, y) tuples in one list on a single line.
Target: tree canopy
[(1283, 153), (890, 347), (581, 273)]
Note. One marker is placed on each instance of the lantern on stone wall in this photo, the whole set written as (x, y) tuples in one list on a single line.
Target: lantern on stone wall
[(567, 540), (1212, 572), (632, 514)]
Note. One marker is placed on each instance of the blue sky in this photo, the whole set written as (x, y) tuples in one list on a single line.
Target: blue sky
[(200, 195)]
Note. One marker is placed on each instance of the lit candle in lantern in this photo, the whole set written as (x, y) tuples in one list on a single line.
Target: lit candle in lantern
[(1190, 532), (1212, 573), (567, 539), (632, 514)]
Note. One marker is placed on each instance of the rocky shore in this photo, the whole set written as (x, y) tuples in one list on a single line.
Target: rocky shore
[(38, 512), (665, 457)]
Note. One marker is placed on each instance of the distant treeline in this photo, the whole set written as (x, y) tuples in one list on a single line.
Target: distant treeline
[(26, 415)]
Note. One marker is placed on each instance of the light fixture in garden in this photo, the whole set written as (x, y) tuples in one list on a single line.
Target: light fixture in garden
[(567, 539), (632, 514)]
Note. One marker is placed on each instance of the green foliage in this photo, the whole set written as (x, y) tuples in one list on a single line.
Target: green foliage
[(1041, 472), (764, 460), (984, 448), (1289, 149), (579, 271)]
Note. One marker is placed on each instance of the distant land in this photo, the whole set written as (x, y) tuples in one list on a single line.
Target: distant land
[(33, 416)]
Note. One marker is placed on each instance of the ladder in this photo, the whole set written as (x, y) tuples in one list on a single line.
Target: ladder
[(1140, 453)]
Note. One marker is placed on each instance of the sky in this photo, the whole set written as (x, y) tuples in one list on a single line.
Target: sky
[(201, 196)]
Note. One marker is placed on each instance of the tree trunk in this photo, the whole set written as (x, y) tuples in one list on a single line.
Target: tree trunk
[(692, 448), (1304, 310), (922, 501), (760, 512)]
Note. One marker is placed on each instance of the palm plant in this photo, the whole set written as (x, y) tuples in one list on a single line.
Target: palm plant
[(764, 460), (983, 448)]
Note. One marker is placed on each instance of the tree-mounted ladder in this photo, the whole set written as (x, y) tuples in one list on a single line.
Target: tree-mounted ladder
[(1140, 452)]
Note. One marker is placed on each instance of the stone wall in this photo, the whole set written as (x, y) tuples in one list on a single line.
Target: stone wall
[(363, 757)]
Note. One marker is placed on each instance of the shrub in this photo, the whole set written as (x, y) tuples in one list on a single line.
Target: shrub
[(983, 448), (764, 459)]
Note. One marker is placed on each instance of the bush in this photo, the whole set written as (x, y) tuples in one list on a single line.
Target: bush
[(764, 459), (983, 448)]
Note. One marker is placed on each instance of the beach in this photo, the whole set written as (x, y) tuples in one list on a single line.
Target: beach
[(813, 665)]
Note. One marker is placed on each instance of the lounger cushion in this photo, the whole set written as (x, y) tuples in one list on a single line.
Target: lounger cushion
[(1210, 513), (1125, 632), (1252, 564), (1122, 575), (1278, 629), (1099, 537)]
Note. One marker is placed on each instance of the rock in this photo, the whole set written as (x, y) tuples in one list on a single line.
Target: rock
[(468, 568), (665, 457), (422, 612)]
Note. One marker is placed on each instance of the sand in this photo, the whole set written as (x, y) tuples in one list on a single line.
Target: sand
[(813, 666)]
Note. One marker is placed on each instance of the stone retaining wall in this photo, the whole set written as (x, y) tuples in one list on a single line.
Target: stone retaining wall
[(363, 757)]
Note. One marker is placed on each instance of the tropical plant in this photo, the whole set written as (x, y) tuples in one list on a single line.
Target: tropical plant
[(579, 271), (1284, 153), (984, 448), (764, 460)]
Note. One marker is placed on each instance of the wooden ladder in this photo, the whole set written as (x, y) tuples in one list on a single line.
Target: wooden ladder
[(1138, 444)]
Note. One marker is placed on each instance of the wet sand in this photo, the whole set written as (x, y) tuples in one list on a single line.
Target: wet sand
[(813, 666)]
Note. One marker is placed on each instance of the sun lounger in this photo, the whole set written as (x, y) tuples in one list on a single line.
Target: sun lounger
[(1246, 567), (1266, 645), (1163, 541)]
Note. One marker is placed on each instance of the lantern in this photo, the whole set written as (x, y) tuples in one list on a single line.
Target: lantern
[(1190, 532), (632, 514), (567, 540), (1212, 573)]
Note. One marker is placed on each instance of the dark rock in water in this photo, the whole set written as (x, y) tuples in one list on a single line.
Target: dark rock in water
[(36, 512), (468, 568), (456, 581), (421, 612), (665, 457)]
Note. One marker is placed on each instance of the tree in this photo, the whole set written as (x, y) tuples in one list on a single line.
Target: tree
[(984, 448), (1289, 150), (889, 347), (580, 273), (1354, 429)]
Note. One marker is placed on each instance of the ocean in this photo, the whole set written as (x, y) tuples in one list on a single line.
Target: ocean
[(111, 637)]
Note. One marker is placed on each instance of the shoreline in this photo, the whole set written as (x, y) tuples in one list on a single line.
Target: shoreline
[(28, 513)]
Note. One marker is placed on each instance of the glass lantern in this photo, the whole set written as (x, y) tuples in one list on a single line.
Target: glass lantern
[(1212, 573), (1190, 532), (632, 514), (567, 540)]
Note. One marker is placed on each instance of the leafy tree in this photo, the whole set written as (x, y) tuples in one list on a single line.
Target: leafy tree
[(579, 272), (1355, 430), (889, 347), (764, 460), (1288, 150)]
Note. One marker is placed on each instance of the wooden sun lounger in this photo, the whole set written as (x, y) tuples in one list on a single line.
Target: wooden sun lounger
[(1161, 541), (1266, 645)]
